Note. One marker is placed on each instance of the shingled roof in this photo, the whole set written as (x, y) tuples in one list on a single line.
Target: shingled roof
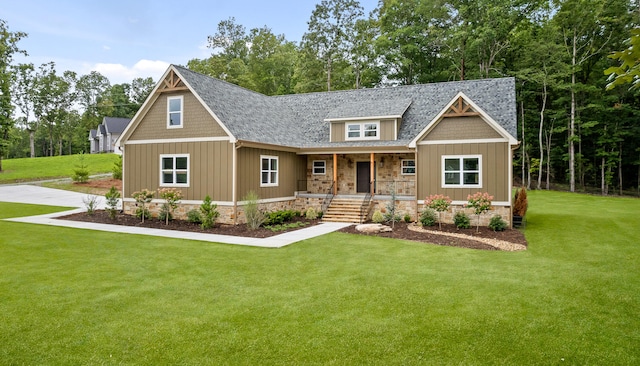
[(115, 124), (300, 120)]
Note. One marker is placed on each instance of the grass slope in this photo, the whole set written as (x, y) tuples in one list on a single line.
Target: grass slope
[(77, 297), (28, 169)]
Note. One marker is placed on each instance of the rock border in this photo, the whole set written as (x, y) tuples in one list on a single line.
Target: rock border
[(499, 244)]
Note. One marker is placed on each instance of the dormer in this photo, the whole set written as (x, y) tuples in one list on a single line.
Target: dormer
[(372, 120)]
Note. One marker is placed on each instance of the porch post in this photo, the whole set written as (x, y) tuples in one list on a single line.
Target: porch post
[(335, 174), (372, 173)]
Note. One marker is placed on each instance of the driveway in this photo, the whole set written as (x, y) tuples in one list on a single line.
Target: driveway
[(43, 196)]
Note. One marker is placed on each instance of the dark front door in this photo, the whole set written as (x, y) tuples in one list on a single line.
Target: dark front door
[(363, 175)]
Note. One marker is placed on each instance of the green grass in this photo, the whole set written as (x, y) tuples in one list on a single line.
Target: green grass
[(80, 297), (27, 169)]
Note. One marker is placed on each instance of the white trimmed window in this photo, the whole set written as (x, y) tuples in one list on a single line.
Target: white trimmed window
[(363, 131), (319, 167), (462, 171), (174, 170), (174, 112), (408, 166), (268, 171)]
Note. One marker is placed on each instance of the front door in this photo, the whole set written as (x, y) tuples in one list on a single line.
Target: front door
[(363, 175)]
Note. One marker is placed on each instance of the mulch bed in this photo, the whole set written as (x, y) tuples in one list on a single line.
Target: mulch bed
[(400, 231)]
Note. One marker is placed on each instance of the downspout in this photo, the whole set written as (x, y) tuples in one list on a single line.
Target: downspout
[(335, 174), (372, 174), (416, 180), (123, 179), (234, 170)]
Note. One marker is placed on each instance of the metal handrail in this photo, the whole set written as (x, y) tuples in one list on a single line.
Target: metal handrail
[(366, 205), (327, 198)]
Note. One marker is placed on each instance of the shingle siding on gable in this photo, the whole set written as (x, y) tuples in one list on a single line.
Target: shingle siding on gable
[(461, 128), (197, 122)]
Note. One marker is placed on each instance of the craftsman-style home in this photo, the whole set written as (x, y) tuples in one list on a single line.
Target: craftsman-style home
[(342, 152)]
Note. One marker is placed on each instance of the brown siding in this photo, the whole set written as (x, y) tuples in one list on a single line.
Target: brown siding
[(461, 128), (387, 130), (197, 121), (290, 167), (495, 170), (210, 168), (337, 132)]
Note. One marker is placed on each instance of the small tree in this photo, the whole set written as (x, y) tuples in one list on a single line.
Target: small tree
[(142, 198), (112, 198), (480, 203), (252, 212), (209, 213), (117, 168), (171, 196), (391, 209), (521, 203), (440, 203), (81, 172)]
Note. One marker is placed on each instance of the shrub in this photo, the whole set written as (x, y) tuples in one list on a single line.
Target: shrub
[(438, 202), (209, 213), (480, 203), (521, 203), (311, 214), (497, 223), (377, 217), (81, 172), (117, 169), (462, 220), (391, 216), (194, 217), (428, 217), (407, 218), (171, 196), (142, 198), (279, 217), (112, 198), (91, 203), (254, 216)]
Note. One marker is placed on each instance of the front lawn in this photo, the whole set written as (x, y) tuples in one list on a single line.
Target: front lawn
[(33, 169), (81, 297)]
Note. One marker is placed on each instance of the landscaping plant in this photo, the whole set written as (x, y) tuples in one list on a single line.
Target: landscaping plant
[(480, 203), (461, 220), (520, 203), (112, 198), (440, 203), (194, 217), (81, 172), (252, 212), (391, 216), (428, 217), (377, 217), (91, 203), (497, 223), (142, 198), (311, 214), (117, 168), (209, 213), (171, 196)]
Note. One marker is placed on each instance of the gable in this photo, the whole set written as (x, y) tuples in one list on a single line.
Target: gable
[(461, 128)]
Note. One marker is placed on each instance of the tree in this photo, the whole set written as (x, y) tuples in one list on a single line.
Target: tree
[(23, 93), (8, 47), (628, 71), (331, 32)]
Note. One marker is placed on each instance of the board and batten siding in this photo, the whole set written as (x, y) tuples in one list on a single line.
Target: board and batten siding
[(197, 122), (461, 128), (210, 168), (495, 169), (291, 168)]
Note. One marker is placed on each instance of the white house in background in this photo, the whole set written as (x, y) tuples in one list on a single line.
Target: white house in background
[(103, 138)]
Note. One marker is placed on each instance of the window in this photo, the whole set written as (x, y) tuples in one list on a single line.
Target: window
[(268, 171), (461, 171), (319, 167), (363, 131), (408, 167), (174, 112), (174, 170)]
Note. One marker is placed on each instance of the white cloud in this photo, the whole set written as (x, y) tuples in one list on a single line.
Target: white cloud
[(106, 48), (118, 73)]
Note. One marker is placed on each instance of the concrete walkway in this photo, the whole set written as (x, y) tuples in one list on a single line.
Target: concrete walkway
[(55, 197)]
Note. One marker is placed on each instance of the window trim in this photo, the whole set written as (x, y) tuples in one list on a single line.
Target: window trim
[(175, 170), (323, 167), (169, 99), (361, 130), (402, 167), (462, 171), (277, 171)]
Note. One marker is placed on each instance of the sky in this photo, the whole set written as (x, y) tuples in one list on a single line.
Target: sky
[(124, 40)]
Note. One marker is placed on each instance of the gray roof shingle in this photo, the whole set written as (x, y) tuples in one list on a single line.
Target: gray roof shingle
[(298, 120), (115, 124)]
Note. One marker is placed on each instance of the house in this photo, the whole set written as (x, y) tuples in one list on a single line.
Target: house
[(343, 152), (103, 138)]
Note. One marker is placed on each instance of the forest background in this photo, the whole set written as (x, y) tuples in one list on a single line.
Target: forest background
[(574, 62)]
